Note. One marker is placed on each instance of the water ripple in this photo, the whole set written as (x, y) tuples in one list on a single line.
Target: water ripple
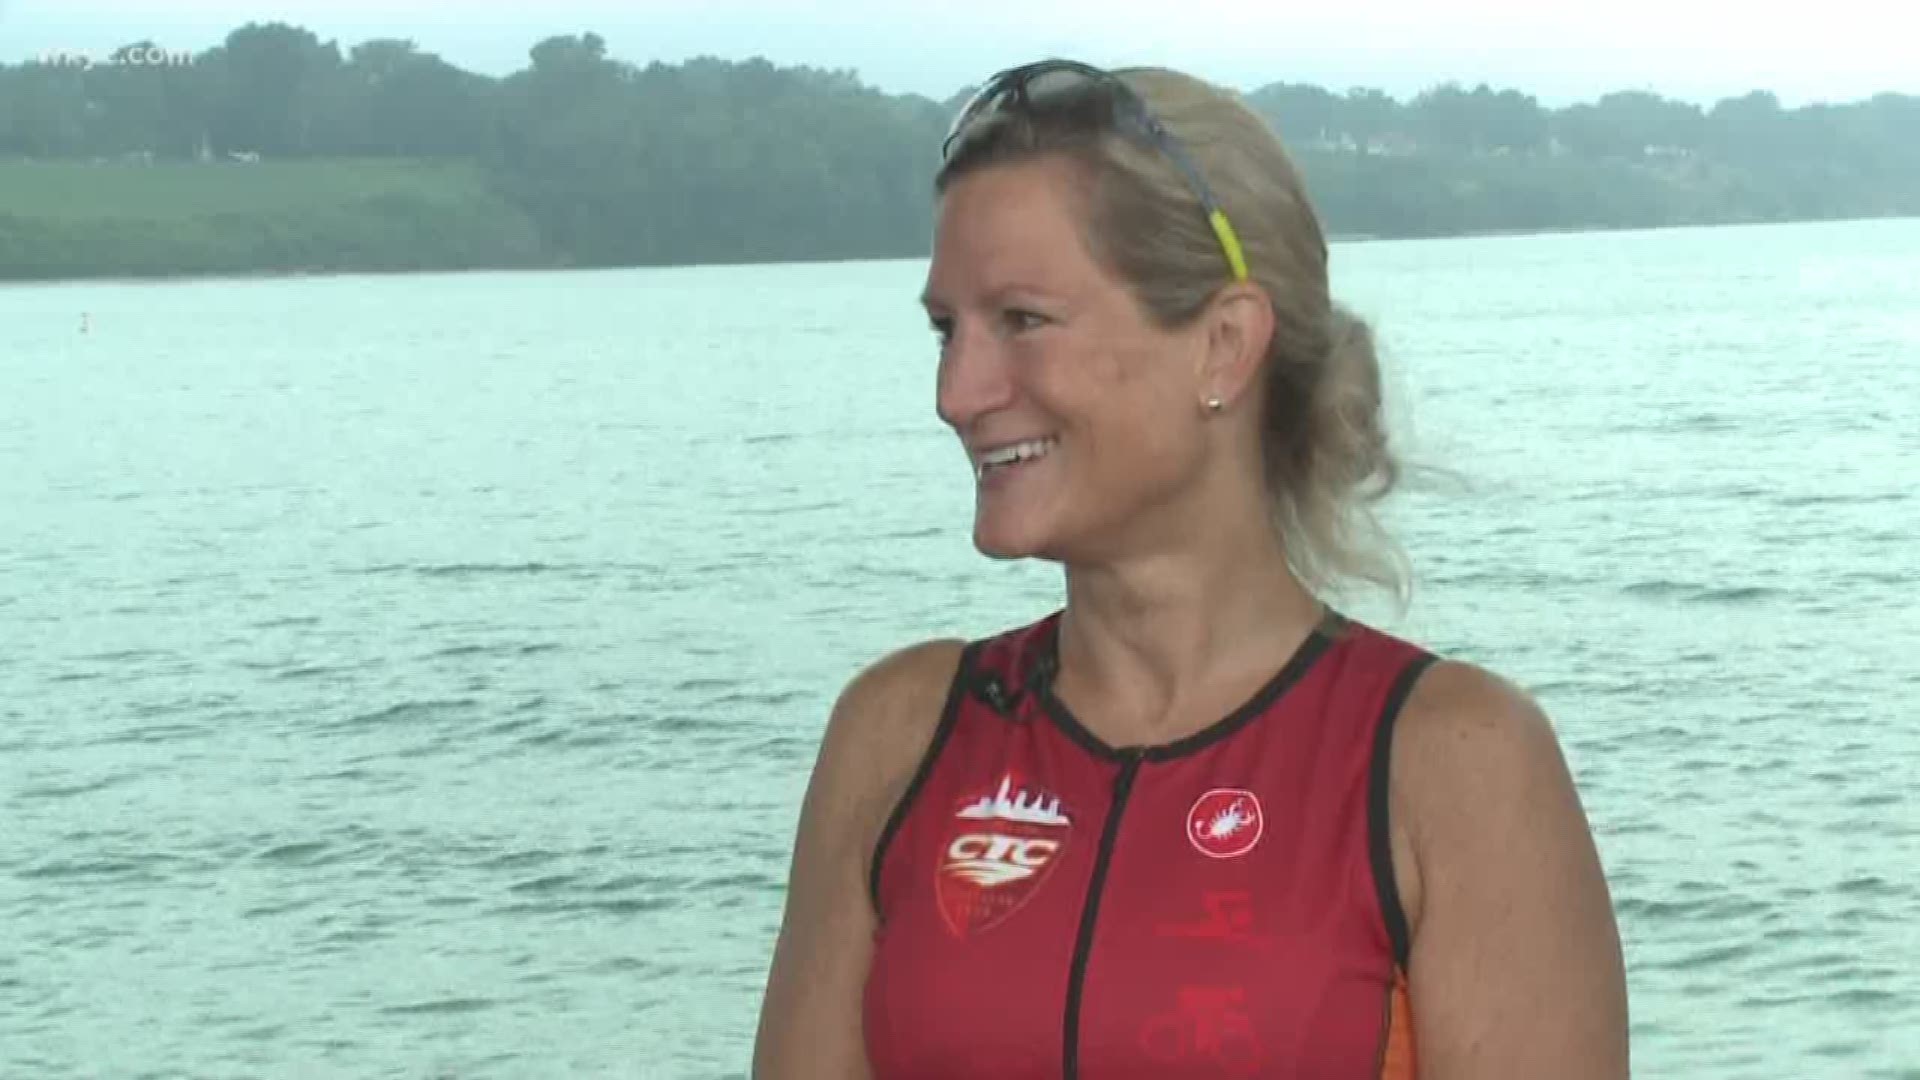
[(427, 752)]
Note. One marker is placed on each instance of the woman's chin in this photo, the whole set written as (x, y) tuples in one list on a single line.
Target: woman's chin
[(1018, 514), (1003, 536), (999, 547)]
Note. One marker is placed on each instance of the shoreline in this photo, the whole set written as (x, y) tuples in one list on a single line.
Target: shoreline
[(195, 277)]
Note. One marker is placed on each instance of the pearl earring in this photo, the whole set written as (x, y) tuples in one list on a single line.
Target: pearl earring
[(1213, 404)]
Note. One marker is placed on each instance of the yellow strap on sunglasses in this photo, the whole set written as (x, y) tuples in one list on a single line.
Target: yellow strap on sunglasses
[(1230, 241)]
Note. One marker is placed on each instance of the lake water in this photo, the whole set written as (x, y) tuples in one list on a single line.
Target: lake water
[(417, 676)]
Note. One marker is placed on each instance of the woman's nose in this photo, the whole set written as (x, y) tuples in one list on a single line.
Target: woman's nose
[(974, 379)]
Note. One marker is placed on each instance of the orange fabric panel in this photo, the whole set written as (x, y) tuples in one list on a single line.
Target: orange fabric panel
[(1396, 1052)]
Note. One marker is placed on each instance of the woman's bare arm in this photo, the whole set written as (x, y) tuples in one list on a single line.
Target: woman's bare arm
[(1516, 970), (809, 1025)]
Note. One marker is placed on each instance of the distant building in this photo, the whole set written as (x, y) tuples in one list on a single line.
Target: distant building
[(1392, 144)]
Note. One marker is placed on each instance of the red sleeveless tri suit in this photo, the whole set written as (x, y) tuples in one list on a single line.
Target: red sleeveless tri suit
[(1218, 906)]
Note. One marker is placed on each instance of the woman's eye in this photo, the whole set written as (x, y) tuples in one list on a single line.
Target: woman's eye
[(1024, 320), (942, 329)]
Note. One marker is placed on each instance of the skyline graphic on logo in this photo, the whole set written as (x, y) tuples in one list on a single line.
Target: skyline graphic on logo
[(1023, 806)]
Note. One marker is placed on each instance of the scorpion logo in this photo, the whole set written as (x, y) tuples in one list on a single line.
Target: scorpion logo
[(1225, 822)]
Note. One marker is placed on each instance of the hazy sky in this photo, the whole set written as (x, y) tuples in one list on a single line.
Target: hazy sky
[(1692, 49)]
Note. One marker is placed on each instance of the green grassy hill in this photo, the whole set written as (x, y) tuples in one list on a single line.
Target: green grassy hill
[(384, 156), (74, 219)]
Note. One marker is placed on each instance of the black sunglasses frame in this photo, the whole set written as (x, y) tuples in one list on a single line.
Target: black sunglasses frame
[(1130, 114)]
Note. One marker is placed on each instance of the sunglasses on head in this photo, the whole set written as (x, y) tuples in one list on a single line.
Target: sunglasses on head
[(1057, 82)]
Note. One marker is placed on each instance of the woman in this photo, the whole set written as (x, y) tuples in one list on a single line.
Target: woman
[(1195, 823)]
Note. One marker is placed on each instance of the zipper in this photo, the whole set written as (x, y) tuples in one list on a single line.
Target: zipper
[(1130, 759)]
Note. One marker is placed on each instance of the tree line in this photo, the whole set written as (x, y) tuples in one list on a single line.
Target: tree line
[(717, 161)]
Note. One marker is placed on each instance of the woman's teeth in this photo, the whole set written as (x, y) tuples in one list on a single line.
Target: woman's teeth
[(1014, 454)]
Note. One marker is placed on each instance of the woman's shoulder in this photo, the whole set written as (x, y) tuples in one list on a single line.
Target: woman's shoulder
[(1470, 742), (1462, 719), (1481, 782), (903, 691), (886, 716), (883, 719), (893, 689)]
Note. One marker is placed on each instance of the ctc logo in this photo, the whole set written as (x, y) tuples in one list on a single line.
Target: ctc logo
[(1019, 850)]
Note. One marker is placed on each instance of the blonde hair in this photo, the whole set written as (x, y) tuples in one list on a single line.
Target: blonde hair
[(1325, 447)]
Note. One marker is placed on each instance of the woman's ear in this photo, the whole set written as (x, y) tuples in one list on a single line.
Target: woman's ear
[(1239, 327)]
